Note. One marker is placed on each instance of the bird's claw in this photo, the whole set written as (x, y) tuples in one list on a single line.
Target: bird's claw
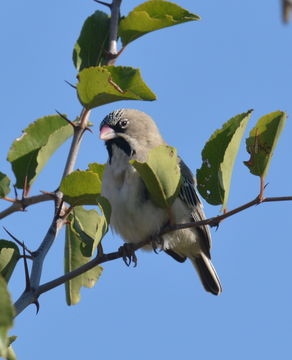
[(128, 254), (157, 242)]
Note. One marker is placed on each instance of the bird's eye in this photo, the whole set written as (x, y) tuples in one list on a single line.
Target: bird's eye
[(123, 123)]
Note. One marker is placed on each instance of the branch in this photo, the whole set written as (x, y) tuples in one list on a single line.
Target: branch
[(113, 33), (99, 259), (76, 141), (28, 296), (21, 205), (31, 295), (214, 221), (91, 264)]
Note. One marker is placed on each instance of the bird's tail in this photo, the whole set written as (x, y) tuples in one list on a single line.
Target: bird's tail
[(207, 273)]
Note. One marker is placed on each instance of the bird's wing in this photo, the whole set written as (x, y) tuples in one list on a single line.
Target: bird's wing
[(189, 196)]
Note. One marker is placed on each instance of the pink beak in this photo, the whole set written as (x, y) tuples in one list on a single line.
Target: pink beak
[(107, 133)]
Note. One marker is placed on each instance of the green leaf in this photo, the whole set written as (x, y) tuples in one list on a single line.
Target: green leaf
[(82, 188), (29, 153), (161, 175), (11, 339), (218, 157), (83, 234), (90, 47), (151, 16), (102, 85), (262, 141), (97, 168), (4, 185), (6, 317), (10, 353), (91, 226), (9, 255)]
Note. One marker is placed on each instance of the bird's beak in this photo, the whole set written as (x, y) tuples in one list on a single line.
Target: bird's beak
[(107, 133)]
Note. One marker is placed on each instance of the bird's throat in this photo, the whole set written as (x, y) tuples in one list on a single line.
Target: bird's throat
[(121, 144)]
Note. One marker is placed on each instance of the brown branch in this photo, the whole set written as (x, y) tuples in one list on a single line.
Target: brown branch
[(21, 205), (102, 258), (214, 221), (99, 259)]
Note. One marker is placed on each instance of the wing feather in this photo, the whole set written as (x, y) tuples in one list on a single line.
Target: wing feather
[(189, 196)]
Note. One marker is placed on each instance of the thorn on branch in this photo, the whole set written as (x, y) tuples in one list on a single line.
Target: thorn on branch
[(103, 3), (37, 304), (27, 279), (88, 129), (72, 85), (66, 119), (20, 243)]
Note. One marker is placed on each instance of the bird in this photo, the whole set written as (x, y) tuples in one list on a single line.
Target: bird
[(286, 10), (130, 134)]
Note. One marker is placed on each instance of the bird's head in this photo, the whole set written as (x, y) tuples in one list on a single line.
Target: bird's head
[(131, 130)]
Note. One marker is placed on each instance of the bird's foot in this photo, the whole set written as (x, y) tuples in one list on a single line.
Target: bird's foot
[(157, 242), (128, 254)]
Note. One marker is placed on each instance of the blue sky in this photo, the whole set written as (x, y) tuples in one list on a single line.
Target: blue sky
[(237, 57)]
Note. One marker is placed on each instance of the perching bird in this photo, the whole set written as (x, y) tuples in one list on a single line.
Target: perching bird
[(286, 10), (130, 134)]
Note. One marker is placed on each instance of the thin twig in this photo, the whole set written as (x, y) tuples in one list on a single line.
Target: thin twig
[(214, 221), (20, 205), (8, 199), (102, 258), (76, 141)]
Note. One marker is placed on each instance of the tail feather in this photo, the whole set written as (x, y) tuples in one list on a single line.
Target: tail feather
[(207, 273)]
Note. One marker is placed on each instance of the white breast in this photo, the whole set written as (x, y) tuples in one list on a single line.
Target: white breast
[(123, 187), (135, 217)]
